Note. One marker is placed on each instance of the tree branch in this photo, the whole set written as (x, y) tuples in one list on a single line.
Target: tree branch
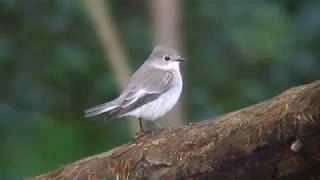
[(257, 142)]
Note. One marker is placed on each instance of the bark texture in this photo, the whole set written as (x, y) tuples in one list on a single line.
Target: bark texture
[(277, 138)]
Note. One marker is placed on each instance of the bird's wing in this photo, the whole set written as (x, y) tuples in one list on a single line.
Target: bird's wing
[(149, 86)]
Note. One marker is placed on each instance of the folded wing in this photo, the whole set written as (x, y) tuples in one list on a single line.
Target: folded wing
[(151, 87)]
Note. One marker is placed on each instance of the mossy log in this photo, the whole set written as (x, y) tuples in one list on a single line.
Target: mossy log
[(278, 138)]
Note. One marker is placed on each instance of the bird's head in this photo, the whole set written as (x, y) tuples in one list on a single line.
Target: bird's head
[(165, 58)]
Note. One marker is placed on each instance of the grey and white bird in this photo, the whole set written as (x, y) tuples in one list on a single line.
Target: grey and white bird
[(152, 91)]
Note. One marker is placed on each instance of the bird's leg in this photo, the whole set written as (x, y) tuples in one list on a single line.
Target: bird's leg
[(157, 125), (141, 127), (155, 130)]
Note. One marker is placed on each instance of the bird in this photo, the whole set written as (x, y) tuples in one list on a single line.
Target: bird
[(152, 91)]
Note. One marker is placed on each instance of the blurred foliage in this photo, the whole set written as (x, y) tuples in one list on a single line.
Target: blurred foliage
[(52, 67)]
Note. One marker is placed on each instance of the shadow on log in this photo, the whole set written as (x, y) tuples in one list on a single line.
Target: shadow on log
[(275, 139)]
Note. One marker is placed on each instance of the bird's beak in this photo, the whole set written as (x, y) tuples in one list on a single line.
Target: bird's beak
[(181, 59)]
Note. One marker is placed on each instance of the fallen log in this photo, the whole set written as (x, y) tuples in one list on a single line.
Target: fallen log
[(277, 138)]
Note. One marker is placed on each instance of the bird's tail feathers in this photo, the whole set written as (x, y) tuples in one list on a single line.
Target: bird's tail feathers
[(99, 109)]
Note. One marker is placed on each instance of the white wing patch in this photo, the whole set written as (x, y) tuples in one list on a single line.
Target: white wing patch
[(167, 77), (132, 97)]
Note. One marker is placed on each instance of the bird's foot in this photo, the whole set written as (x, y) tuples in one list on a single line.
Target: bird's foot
[(151, 132), (155, 131)]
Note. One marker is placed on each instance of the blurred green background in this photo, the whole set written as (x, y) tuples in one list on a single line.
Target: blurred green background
[(52, 67)]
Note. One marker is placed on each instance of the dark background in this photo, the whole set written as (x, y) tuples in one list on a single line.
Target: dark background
[(52, 67)]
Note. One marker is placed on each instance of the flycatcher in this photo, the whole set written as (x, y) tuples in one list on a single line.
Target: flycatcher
[(152, 91)]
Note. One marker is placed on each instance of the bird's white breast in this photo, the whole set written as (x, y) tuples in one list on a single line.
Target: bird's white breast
[(159, 107)]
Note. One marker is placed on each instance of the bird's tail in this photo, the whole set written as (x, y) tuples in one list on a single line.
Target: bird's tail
[(99, 109)]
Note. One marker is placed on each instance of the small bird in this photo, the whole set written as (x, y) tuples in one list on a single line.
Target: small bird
[(152, 91)]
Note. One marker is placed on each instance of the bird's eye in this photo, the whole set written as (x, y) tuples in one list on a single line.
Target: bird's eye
[(167, 58)]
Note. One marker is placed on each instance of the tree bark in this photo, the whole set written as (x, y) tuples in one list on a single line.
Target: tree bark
[(277, 138)]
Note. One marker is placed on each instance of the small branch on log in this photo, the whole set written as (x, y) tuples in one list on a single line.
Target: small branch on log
[(278, 138)]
